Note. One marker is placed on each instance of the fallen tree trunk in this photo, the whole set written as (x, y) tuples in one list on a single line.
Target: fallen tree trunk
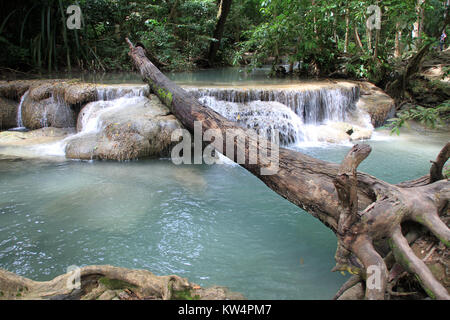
[(363, 211)]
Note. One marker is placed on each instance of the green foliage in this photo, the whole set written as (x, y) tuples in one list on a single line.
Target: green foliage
[(429, 117), (114, 284), (178, 34), (184, 295), (446, 171)]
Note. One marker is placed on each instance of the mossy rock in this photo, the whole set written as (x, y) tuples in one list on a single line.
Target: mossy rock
[(114, 284), (184, 295)]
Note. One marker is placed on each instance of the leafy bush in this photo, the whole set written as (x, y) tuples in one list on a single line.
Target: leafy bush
[(429, 117)]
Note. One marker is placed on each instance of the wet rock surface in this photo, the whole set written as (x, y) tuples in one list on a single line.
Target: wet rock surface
[(376, 103), (8, 113), (138, 128), (35, 137), (108, 283), (49, 112)]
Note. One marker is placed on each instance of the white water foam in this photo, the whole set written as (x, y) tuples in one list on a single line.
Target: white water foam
[(301, 130), (19, 111), (91, 117)]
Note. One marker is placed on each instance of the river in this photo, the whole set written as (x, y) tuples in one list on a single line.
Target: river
[(215, 225)]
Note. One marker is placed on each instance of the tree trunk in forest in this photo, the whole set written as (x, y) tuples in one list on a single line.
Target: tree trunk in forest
[(173, 11), (335, 35), (347, 30), (369, 39), (362, 210), (398, 36), (313, 2), (377, 39), (224, 10), (358, 39), (418, 24), (397, 88)]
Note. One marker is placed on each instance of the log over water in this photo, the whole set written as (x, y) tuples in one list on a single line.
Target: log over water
[(362, 210)]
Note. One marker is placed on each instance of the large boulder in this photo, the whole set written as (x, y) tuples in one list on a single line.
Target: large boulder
[(8, 113), (376, 103), (123, 129), (15, 89), (71, 92), (49, 112)]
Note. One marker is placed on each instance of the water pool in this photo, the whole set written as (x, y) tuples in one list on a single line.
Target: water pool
[(215, 225)]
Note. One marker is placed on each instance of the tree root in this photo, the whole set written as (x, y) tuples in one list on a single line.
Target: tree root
[(358, 229), (362, 210), (108, 283), (347, 285), (406, 257)]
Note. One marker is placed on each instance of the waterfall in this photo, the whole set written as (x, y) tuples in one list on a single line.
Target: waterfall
[(260, 116), (313, 106), (108, 93), (20, 125), (314, 115), (90, 119)]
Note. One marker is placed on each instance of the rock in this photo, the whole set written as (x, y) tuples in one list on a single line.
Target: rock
[(71, 92), (354, 293), (15, 89), (338, 132), (35, 137), (360, 134), (216, 293), (49, 112), (8, 113), (376, 103), (140, 128), (80, 93)]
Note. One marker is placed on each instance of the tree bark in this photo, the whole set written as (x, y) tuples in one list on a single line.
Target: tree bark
[(398, 36), (173, 11), (418, 24), (358, 39), (347, 30), (359, 208), (224, 10)]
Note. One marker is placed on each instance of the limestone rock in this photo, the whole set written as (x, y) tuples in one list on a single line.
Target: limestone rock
[(8, 113), (35, 137), (47, 113), (141, 127), (376, 103)]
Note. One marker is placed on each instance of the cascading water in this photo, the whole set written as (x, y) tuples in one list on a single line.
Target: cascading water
[(260, 116), (20, 125), (90, 119), (108, 93), (301, 116)]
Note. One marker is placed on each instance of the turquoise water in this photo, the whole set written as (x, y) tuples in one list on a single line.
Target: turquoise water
[(207, 77), (215, 225)]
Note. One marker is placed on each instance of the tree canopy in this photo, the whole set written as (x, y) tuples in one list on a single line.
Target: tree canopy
[(321, 37)]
